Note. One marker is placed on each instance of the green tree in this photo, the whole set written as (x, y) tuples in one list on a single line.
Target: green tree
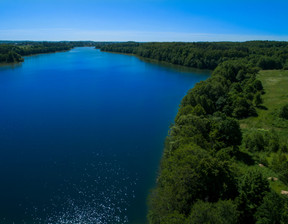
[(285, 66), (256, 141), (284, 112), (190, 173), (252, 188), (272, 210), (258, 85), (242, 107), (279, 164), (198, 110), (225, 131), (174, 218), (258, 99), (222, 212), (266, 62)]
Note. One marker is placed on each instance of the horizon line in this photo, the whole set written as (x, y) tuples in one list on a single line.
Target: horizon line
[(159, 41)]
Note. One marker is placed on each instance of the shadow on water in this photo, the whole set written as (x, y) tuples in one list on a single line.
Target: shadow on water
[(6, 66)]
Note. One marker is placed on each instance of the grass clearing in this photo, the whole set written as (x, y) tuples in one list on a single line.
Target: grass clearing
[(275, 83)]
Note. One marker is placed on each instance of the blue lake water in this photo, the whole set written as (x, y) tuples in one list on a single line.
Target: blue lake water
[(82, 133)]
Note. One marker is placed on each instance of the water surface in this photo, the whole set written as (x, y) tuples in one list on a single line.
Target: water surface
[(81, 135)]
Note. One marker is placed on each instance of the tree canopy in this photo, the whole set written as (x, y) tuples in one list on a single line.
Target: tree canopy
[(207, 55)]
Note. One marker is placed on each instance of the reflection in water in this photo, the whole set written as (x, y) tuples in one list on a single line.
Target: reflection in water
[(10, 66)]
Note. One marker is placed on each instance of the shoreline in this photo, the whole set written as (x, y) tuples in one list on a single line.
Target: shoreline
[(29, 55), (163, 63)]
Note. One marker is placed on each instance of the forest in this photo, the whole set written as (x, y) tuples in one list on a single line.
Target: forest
[(13, 51), (225, 157), (208, 55)]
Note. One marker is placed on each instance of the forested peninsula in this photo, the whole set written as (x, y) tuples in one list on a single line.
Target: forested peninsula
[(225, 157), (13, 51)]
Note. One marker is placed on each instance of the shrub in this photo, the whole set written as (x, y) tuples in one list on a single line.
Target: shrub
[(284, 112)]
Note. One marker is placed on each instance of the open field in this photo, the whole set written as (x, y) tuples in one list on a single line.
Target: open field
[(275, 83)]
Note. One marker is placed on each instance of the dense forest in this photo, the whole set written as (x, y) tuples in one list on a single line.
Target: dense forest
[(207, 55), (213, 170), (208, 172), (11, 51)]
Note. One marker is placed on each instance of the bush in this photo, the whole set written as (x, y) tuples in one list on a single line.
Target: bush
[(255, 142), (279, 164), (258, 99), (284, 112), (272, 210), (285, 66)]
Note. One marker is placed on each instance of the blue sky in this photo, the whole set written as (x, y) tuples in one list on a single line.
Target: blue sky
[(144, 20)]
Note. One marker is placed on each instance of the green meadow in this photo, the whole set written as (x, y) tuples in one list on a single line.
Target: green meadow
[(275, 83)]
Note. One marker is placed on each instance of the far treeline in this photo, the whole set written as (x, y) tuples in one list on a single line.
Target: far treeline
[(13, 51), (208, 55), (212, 170)]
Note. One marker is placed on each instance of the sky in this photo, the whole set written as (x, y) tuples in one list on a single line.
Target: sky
[(144, 20)]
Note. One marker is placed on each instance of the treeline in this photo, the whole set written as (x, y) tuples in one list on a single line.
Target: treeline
[(202, 178), (11, 51), (207, 55)]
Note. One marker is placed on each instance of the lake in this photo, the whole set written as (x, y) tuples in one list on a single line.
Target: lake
[(82, 134)]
